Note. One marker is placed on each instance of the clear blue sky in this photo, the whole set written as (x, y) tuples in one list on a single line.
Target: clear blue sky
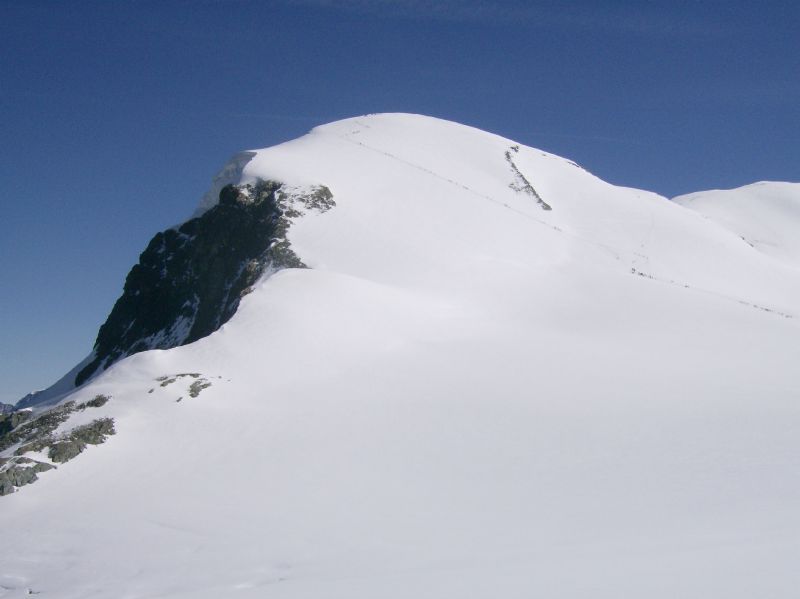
[(114, 115)]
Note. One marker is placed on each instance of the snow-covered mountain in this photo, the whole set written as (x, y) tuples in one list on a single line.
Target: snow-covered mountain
[(401, 357), (765, 215)]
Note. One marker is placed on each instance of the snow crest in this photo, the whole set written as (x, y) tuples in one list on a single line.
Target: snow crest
[(464, 395)]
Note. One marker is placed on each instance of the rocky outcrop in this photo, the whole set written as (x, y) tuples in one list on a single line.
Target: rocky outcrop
[(23, 432), (18, 472), (190, 279), (34, 433), (78, 438), (11, 420), (29, 431), (521, 183), (195, 387)]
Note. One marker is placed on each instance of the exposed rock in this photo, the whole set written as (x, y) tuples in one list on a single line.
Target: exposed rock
[(78, 438), (521, 183), (35, 434), (197, 386), (194, 389), (38, 428), (95, 432), (63, 451), (18, 472), (99, 400), (168, 380), (189, 280), (11, 420)]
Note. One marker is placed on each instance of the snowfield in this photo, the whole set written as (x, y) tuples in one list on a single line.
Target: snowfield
[(764, 214), (466, 395)]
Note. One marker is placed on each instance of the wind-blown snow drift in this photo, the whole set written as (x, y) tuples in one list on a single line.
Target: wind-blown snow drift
[(466, 394)]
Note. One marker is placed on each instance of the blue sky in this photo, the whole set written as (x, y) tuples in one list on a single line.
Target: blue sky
[(115, 115)]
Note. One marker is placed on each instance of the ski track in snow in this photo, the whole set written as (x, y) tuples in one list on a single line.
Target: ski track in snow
[(617, 253)]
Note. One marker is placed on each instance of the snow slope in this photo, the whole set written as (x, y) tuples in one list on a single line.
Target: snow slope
[(465, 395), (764, 214)]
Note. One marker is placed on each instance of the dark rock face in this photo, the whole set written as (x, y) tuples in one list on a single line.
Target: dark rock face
[(189, 280)]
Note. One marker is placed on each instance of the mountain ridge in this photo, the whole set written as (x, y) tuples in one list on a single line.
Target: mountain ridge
[(255, 167), (462, 394)]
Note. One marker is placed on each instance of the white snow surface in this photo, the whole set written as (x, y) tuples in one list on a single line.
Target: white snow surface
[(764, 214), (464, 396)]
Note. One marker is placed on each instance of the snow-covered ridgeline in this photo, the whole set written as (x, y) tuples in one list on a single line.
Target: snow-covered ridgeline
[(464, 395)]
